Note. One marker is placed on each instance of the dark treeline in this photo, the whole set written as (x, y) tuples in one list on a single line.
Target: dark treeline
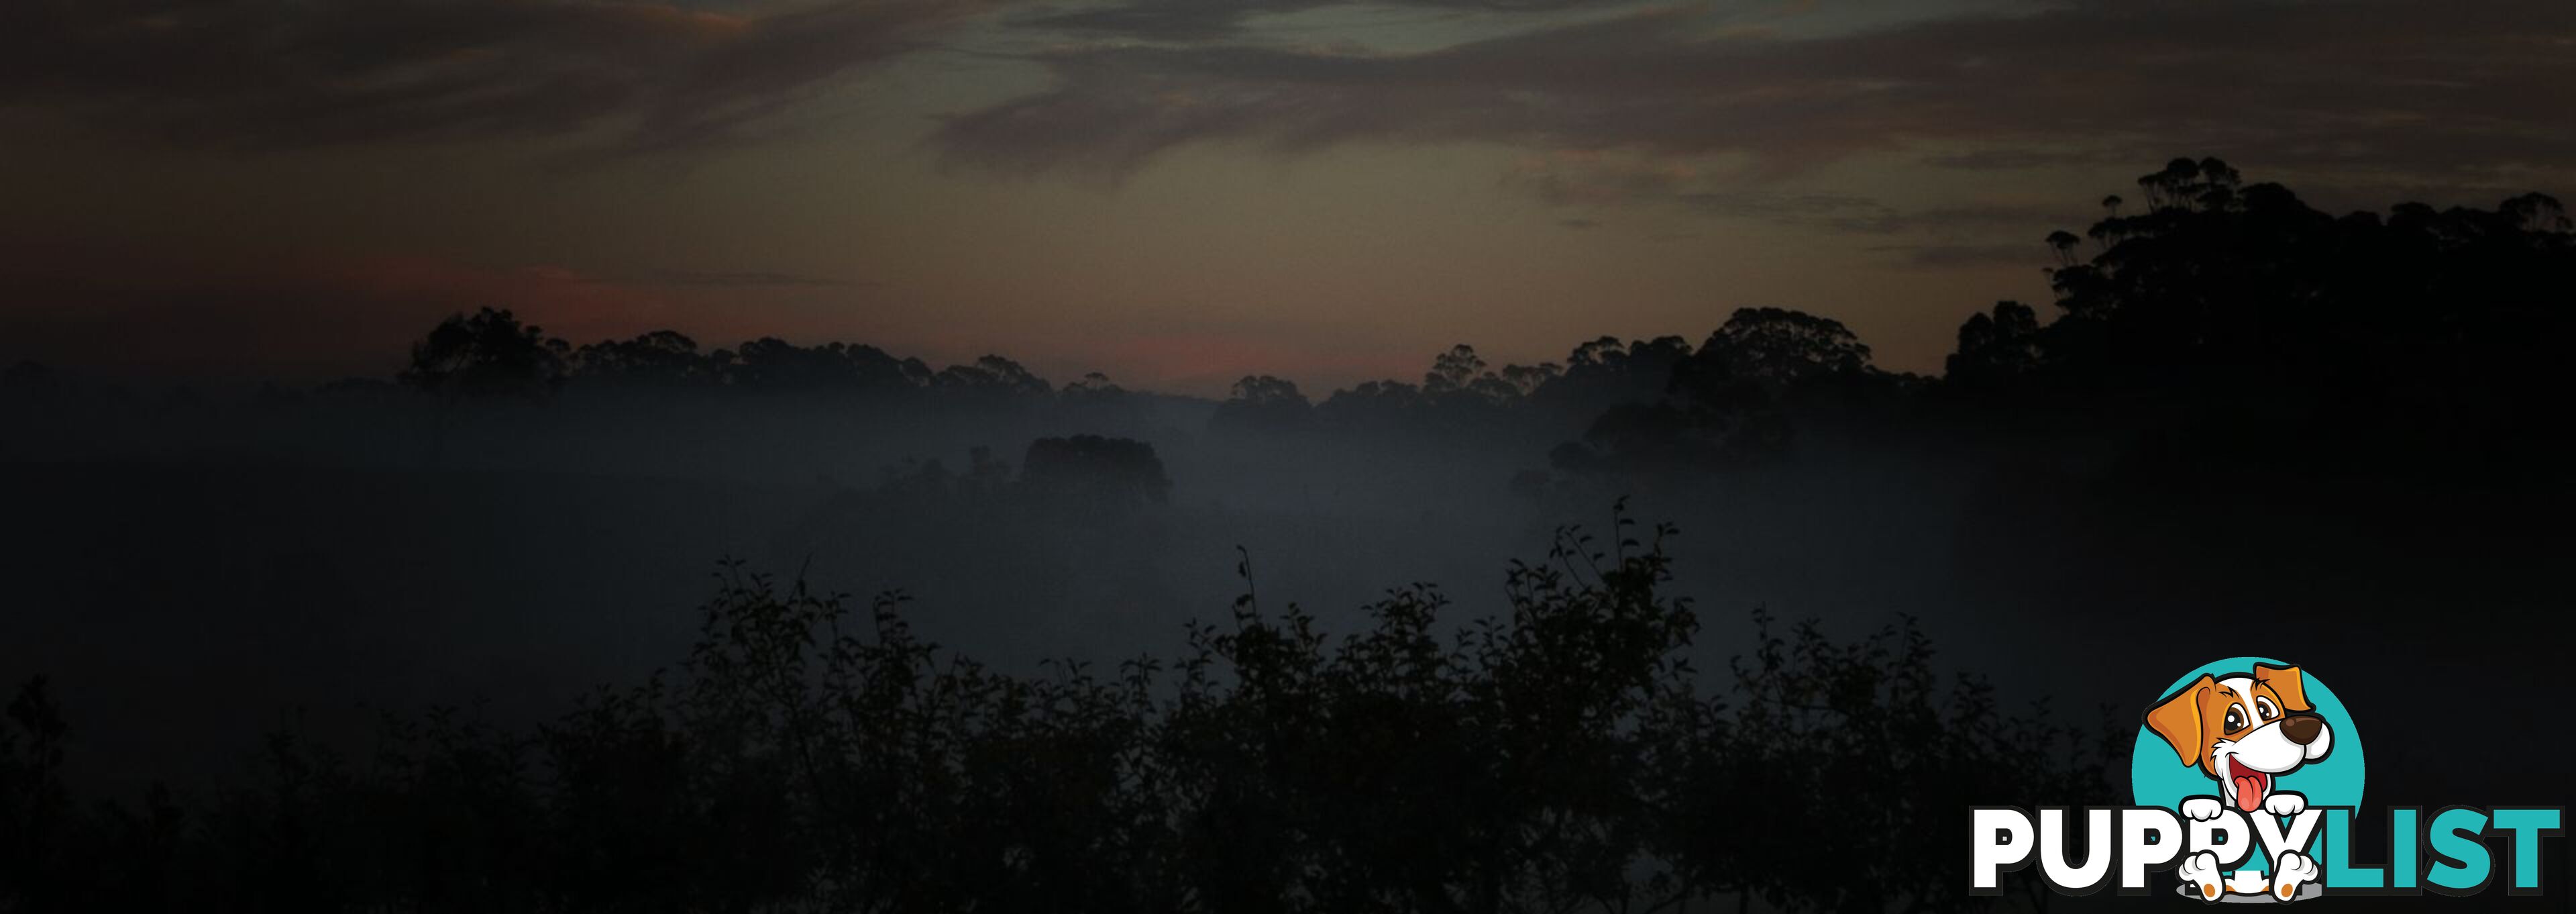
[(2216, 316), (814, 754)]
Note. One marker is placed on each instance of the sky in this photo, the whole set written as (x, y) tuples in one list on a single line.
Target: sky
[(1172, 192)]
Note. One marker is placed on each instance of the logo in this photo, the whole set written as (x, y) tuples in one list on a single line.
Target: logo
[(2247, 775)]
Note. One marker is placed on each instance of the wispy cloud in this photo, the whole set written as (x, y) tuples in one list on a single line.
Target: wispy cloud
[(284, 73), (2401, 87), (1185, 20), (1596, 180)]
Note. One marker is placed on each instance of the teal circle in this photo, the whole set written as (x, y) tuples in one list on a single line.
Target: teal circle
[(2157, 778)]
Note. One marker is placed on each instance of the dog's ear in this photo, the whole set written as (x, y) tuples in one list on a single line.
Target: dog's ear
[(2287, 682), (2177, 719)]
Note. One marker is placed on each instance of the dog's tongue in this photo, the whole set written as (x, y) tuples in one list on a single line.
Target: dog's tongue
[(2250, 786)]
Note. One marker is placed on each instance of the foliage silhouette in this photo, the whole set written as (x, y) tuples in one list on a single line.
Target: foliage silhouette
[(1262, 403), (662, 358), (489, 354), (813, 753)]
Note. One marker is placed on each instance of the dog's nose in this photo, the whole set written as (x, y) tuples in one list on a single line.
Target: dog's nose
[(2302, 729)]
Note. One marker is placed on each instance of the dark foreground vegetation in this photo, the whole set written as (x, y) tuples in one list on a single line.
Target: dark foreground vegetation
[(813, 754)]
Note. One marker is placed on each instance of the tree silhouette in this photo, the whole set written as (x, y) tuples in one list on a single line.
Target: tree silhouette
[(774, 365), (991, 375), (1995, 348), (2064, 242), (1776, 348), (1263, 402), (1094, 388), (1727, 402), (1378, 405), (662, 358), (2284, 330), (489, 354), (1452, 371), (1604, 373)]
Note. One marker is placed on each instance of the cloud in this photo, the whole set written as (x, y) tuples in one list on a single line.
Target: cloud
[(2403, 87), (1184, 20), (1598, 180), (287, 73), (1168, 20)]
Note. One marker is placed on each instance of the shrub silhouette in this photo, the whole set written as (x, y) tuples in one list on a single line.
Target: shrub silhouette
[(813, 754)]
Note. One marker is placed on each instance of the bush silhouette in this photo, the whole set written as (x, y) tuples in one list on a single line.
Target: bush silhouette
[(812, 753)]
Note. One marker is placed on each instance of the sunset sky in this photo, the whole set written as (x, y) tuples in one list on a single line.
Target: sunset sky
[(1173, 192)]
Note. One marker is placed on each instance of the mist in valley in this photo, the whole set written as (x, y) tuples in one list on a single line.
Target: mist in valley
[(2077, 509)]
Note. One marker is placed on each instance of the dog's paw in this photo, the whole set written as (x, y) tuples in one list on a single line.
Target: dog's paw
[(2200, 871), (2285, 804), (2293, 870), (2201, 809)]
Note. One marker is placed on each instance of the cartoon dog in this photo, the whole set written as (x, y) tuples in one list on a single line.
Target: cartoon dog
[(2245, 730)]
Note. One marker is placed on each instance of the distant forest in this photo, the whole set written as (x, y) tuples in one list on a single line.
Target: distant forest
[(1556, 751), (2208, 307)]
